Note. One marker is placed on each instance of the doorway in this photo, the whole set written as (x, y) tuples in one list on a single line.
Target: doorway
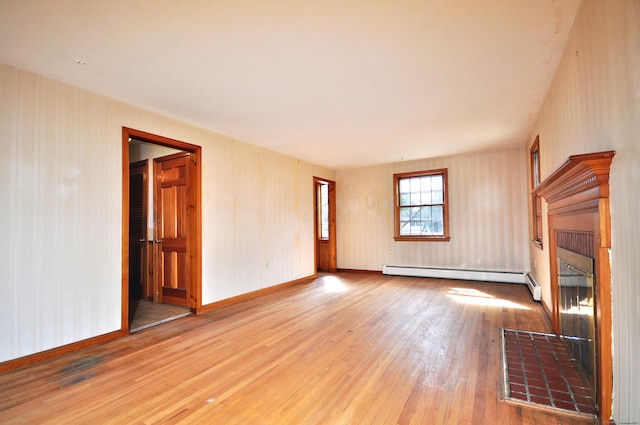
[(325, 224), (161, 229)]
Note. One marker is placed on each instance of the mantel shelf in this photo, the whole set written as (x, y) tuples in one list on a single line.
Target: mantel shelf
[(579, 174)]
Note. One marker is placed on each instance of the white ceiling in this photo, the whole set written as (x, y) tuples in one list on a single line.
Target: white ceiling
[(340, 83)]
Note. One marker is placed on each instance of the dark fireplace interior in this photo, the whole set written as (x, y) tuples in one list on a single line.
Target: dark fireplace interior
[(576, 279)]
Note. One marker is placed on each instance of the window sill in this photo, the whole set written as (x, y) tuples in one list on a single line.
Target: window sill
[(422, 238)]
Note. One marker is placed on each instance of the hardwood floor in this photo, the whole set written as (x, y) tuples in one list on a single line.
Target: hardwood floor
[(348, 348)]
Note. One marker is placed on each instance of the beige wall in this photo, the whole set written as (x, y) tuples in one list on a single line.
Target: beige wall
[(487, 212), (594, 105), (61, 217)]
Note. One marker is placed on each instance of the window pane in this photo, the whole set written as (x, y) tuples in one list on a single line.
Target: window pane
[(425, 213), (436, 182), (404, 199), (425, 183), (437, 213), (405, 214), (415, 213), (415, 198), (404, 186), (437, 227), (405, 228), (426, 197), (324, 211), (427, 229), (438, 197), (416, 227), (415, 184), (536, 168)]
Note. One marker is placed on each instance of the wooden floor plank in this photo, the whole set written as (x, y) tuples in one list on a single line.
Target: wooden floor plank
[(347, 348)]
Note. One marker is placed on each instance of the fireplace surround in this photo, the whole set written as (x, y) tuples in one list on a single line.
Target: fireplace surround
[(577, 195)]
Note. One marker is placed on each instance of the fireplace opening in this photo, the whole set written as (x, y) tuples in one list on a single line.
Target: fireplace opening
[(576, 280)]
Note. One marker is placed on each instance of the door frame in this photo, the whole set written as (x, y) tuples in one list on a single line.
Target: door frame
[(333, 261), (195, 218)]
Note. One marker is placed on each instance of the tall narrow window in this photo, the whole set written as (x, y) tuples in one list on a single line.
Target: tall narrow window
[(535, 163), (536, 200), (421, 208), (323, 217)]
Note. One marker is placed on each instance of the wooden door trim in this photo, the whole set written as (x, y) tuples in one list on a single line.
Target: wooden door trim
[(577, 194), (195, 219)]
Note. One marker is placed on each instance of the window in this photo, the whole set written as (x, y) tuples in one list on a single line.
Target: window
[(323, 205), (421, 209), (535, 163), (536, 200)]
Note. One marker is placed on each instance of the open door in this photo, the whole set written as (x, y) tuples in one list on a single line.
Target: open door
[(325, 224), (171, 205)]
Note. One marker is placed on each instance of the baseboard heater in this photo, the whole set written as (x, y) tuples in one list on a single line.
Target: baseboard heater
[(534, 287), (485, 276)]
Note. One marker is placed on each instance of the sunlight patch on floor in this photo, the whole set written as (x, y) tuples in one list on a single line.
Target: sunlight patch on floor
[(333, 284), (475, 297)]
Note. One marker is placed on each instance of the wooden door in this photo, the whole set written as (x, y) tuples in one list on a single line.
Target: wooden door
[(325, 223), (137, 232), (172, 203)]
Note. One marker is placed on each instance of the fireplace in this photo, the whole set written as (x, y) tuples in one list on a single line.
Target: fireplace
[(577, 319), (579, 224)]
